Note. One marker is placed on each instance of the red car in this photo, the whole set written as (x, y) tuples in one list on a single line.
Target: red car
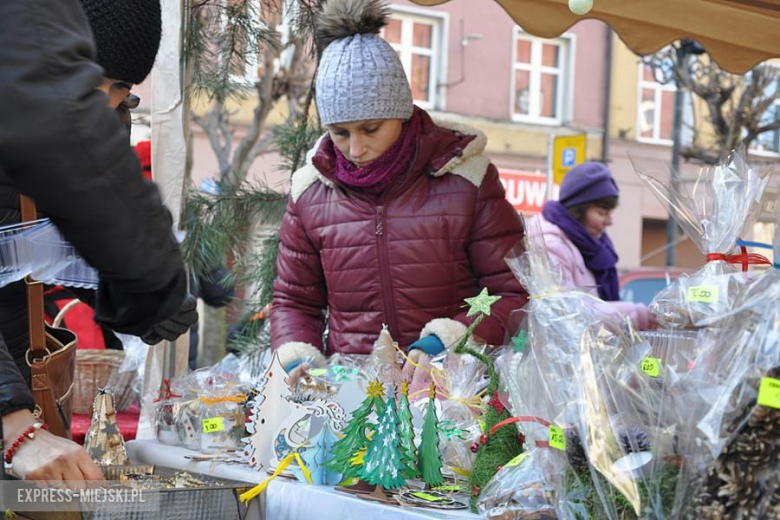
[(640, 285)]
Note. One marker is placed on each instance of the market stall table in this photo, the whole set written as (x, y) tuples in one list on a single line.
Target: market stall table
[(285, 499)]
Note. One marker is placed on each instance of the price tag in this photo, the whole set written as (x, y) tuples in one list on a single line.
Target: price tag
[(517, 460), (557, 438), (651, 366), (427, 497), (769, 392), (318, 372), (212, 425), (703, 293), (453, 489)]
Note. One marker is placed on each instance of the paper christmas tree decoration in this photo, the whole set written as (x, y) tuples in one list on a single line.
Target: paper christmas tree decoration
[(383, 459), (269, 409), (304, 421), (496, 446), (356, 433), (406, 432), (430, 456), (104, 442), (317, 456)]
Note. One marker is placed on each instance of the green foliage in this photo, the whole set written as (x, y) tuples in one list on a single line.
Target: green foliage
[(383, 465), (294, 139), (406, 430), (430, 456), (501, 447), (223, 38)]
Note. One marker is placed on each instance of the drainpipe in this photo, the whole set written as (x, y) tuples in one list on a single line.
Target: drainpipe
[(607, 93)]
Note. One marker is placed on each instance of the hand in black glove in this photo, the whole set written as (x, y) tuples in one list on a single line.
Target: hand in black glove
[(174, 326)]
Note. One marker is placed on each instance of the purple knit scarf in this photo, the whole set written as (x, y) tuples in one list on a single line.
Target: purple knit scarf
[(599, 255), (377, 176)]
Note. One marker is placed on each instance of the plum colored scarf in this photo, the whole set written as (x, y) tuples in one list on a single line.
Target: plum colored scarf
[(599, 254), (377, 176)]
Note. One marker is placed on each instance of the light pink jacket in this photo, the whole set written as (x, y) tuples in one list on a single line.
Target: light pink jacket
[(565, 254)]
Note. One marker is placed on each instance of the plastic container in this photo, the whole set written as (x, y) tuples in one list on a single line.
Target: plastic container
[(55, 261), (15, 251)]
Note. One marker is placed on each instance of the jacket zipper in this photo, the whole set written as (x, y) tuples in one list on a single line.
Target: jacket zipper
[(385, 280)]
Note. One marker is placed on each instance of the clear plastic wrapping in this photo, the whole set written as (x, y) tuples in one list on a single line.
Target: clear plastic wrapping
[(523, 489), (733, 407), (37, 248), (573, 359), (722, 201)]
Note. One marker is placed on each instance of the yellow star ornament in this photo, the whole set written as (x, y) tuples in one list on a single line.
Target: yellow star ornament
[(481, 303), (376, 389)]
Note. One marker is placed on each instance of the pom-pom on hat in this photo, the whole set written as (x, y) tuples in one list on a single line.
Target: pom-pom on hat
[(585, 183), (127, 35), (360, 75)]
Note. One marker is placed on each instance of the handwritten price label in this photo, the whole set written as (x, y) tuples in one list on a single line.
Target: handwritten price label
[(557, 438), (212, 425), (769, 392), (703, 293), (651, 366)]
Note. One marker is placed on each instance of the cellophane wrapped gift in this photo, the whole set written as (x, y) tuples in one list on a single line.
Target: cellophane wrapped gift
[(460, 383), (722, 201), (166, 410), (561, 384), (524, 489), (553, 323), (222, 413), (733, 403)]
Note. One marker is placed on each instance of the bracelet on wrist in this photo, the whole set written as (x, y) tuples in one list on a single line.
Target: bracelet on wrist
[(29, 433)]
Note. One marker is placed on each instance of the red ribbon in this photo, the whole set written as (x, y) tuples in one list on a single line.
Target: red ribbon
[(522, 418), (165, 393), (744, 258)]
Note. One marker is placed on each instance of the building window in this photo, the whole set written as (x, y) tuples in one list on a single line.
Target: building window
[(417, 40), (655, 114), (539, 77)]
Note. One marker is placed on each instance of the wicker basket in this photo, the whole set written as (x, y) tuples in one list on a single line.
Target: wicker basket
[(94, 370)]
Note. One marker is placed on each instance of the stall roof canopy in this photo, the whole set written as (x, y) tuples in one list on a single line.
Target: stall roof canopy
[(738, 34)]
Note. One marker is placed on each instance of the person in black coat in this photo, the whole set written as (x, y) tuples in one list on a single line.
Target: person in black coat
[(62, 147)]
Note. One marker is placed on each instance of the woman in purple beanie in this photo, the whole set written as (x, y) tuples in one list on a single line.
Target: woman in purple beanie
[(574, 231)]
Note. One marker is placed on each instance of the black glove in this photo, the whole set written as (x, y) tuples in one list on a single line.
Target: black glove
[(174, 326)]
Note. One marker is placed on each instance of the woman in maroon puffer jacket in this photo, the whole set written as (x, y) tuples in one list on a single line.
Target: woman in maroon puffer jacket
[(394, 219)]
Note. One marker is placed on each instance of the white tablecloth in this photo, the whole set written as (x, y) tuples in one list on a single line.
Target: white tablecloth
[(285, 499)]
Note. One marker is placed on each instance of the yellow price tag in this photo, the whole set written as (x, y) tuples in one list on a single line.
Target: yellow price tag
[(703, 293), (651, 366), (557, 438), (212, 425), (427, 497), (318, 372), (517, 460), (769, 392)]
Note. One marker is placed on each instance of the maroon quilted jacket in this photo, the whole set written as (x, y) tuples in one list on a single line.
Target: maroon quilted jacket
[(436, 237)]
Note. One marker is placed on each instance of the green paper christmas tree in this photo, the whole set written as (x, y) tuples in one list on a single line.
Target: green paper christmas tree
[(406, 430), (430, 456), (495, 448), (356, 433), (383, 459)]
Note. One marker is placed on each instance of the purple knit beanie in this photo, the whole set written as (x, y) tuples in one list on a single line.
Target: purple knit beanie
[(585, 183)]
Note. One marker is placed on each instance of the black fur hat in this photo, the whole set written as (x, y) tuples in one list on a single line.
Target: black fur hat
[(127, 36)]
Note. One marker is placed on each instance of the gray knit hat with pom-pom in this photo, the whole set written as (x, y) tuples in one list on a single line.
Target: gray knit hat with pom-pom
[(360, 75)]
